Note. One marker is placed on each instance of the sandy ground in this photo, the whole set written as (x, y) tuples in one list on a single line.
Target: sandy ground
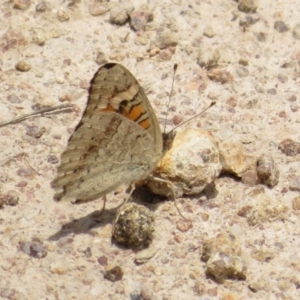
[(258, 106)]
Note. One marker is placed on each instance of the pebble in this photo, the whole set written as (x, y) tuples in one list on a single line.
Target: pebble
[(119, 14), (208, 59), (220, 75), (289, 147), (184, 225), (267, 170), (292, 98), (296, 31), (139, 18), (295, 183), (23, 66), (134, 226), (223, 267), (296, 203), (114, 274), (43, 6), (14, 99), (62, 16), (280, 26), (242, 72), (248, 6), (21, 4), (12, 198), (35, 131), (59, 266), (234, 159), (145, 255), (250, 178), (209, 31), (166, 38), (262, 255), (191, 164), (260, 208), (97, 9), (224, 242), (33, 249)]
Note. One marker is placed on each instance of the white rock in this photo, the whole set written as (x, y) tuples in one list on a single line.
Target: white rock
[(191, 164)]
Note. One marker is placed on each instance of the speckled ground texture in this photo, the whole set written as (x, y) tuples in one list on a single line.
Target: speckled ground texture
[(53, 250)]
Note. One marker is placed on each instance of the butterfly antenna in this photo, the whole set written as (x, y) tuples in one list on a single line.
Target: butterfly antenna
[(170, 96), (196, 116)]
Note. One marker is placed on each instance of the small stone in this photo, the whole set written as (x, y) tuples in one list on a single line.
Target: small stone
[(100, 58), (296, 203), (261, 37), (177, 119), (22, 4), (282, 78), (165, 54), (12, 198), (134, 226), (26, 173), (14, 99), (120, 13), (208, 59), (43, 6), (139, 19), (261, 208), (262, 255), (272, 91), (244, 61), (192, 164), (248, 6), (280, 26), (234, 158), (184, 225), (59, 266), (257, 286), (97, 9), (35, 131), (2, 200), (62, 16), (209, 31), (289, 147), (296, 31), (242, 72), (225, 242), (145, 255), (267, 170), (33, 249), (103, 260), (114, 274), (165, 39), (23, 66), (223, 267), (220, 75), (250, 178), (295, 184), (39, 36), (292, 98), (52, 159)]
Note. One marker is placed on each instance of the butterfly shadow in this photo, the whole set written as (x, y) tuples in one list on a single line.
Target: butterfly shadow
[(85, 224)]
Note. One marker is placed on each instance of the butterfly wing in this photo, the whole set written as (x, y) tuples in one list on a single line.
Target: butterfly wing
[(118, 140)]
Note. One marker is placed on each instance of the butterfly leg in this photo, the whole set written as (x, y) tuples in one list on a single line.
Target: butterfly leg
[(98, 213), (171, 188), (131, 189)]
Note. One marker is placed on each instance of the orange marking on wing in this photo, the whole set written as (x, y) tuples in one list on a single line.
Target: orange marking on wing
[(136, 112), (145, 124)]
